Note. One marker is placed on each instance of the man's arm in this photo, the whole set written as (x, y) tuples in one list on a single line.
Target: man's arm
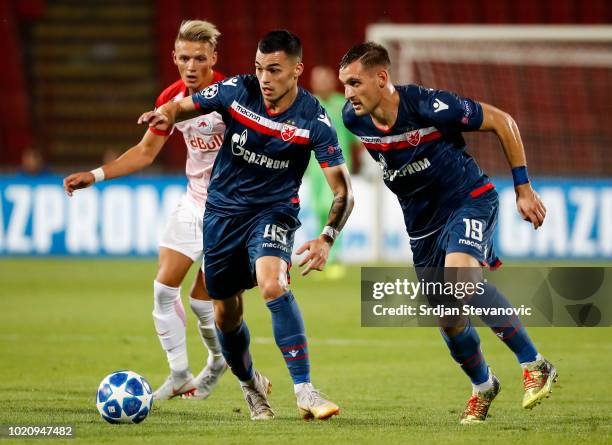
[(528, 202), (167, 115), (134, 159), (318, 249)]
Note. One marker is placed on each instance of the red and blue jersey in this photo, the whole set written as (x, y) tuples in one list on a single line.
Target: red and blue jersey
[(263, 157), (423, 156)]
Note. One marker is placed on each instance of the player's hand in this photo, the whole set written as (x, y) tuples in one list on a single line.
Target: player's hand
[(78, 181), (318, 252), (156, 119), (529, 205)]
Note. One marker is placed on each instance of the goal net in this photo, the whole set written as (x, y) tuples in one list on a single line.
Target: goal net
[(556, 81)]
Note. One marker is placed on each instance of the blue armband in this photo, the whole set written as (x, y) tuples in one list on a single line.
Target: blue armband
[(520, 176)]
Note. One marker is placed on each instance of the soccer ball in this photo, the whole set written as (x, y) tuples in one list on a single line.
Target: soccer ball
[(124, 397)]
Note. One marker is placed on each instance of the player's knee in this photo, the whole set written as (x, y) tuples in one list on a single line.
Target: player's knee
[(168, 276), (272, 288), (227, 320), (460, 259), (452, 326), (453, 331), (228, 313), (199, 292), (227, 323)]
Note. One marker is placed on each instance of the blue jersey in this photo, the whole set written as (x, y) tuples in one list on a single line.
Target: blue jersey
[(263, 156), (423, 155)]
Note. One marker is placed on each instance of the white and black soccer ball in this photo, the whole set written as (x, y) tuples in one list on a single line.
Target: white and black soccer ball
[(124, 397)]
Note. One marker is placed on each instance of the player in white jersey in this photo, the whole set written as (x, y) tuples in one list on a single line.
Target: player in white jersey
[(182, 241)]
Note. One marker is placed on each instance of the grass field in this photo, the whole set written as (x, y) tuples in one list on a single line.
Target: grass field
[(65, 324)]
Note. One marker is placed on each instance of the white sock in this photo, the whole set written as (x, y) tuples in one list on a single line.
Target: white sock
[(205, 312), (539, 358), (248, 383), (298, 387), (484, 386), (169, 319)]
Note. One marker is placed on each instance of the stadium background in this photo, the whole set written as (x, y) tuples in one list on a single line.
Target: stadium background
[(76, 74)]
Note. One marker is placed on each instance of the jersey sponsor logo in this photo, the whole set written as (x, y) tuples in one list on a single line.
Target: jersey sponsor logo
[(470, 243), (439, 105), (239, 140), (408, 139), (211, 91), (287, 132), (206, 144), (267, 126), (276, 246), (408, 169), (325, 119)]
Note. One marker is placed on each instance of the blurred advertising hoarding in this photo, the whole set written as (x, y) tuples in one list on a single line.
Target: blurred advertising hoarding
[(125, 218)]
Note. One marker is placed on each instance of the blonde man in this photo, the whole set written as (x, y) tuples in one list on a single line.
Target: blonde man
[(181, 244)]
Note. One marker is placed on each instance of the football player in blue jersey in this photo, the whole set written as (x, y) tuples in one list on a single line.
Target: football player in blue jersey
[(252, 208), (449, 205)]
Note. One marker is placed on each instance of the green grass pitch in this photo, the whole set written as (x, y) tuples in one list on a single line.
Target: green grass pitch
[(65, 324)]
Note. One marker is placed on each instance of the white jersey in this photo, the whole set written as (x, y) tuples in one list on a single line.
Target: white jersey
[(203, 138)]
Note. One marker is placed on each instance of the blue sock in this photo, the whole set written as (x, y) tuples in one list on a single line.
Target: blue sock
[(290, 336), (235, 349), (508, 328), (465, 349)]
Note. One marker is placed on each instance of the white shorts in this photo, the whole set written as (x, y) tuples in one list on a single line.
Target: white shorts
[(183, 231)]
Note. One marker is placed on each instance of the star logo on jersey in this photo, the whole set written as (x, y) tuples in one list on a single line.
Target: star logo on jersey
[(287, 132), (413, 137), (439, 106), (325, 119)]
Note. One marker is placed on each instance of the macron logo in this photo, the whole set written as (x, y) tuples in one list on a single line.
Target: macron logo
[(323, 118), (231, 82), (294, 353), (439, 106)]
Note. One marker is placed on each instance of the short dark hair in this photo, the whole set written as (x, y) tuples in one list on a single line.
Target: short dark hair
[(370, 54), (281, 40)]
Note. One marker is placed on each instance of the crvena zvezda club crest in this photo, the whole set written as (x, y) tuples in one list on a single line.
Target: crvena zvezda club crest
[(413, 137), (287, 132)]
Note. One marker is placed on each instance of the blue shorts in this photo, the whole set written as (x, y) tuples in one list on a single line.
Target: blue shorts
[(232, 244), (469, 229)]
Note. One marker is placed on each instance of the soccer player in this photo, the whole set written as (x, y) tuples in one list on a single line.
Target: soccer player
[(253, 204), (449, 205), (181, 244)]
